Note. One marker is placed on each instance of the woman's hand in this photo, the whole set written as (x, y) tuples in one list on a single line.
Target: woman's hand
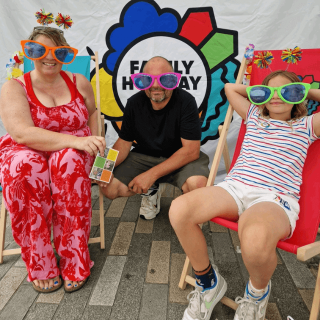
[(100, 183), (91, 144)]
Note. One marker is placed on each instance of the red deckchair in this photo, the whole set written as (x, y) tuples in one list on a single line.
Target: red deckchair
[(302, 243)]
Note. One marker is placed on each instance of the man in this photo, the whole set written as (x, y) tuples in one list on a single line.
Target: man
[(164, 123)]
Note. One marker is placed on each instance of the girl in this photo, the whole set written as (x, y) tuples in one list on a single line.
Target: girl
[(261, 191)]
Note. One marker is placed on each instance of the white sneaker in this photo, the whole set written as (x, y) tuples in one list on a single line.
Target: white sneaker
[(202, 302), (250, 308), (150, 204)]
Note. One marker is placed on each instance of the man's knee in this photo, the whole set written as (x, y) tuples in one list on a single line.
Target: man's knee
[(193, 183)]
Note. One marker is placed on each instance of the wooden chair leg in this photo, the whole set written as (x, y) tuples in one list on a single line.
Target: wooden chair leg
[(316, 299), (3, 217), (101, 211), (185, 271), (225, 152)]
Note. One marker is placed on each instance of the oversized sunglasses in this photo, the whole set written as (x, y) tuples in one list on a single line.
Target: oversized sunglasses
[(292, 93), (168, 81), (35, 50)]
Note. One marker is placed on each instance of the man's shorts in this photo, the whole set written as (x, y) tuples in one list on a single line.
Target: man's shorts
[(246, 196), (137, 163)]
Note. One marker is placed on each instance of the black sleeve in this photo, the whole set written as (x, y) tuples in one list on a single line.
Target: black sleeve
[(127, 127), (190, 123)]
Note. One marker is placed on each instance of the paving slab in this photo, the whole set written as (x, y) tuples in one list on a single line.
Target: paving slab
[(158, 267), (122, 239), (39, 311), (130, 212), (154, 302), (106, 288), (73, 304), (223, 248), (116, 207), (307, 296), (235, 283), (169, 191), (286, 296), (175, 244), (8, 261), (106, 204), (176, 295), (96, 313), (144, 226), (135, 198), (20, 263), (10, 283), (95, 220), (301, 275), (273, 312), (175, 311), (19, 304), (54, 297), (162, 228), (214, 227), (129, 294)]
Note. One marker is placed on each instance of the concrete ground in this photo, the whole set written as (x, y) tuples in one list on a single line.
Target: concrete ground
[(136, 276)]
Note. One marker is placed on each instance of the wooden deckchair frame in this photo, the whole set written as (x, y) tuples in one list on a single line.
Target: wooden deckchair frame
[(303, 254), (101, 238)]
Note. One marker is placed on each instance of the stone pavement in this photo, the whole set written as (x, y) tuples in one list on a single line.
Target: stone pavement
[(136, 276)]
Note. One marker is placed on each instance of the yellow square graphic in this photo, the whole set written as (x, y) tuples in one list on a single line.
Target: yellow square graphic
[(112, 155)]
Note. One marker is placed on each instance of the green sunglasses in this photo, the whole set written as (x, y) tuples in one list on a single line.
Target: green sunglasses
[(293, 93)]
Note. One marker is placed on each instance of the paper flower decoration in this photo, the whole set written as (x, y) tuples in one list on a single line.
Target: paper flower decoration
[(249, 52), (64, 20), (18, 57), (291, 55), (263, 59), (44, 18)]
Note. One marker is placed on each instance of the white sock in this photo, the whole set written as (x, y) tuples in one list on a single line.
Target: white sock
[(256, 293)]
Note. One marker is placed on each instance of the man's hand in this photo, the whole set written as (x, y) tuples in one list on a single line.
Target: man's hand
[(141, 183)]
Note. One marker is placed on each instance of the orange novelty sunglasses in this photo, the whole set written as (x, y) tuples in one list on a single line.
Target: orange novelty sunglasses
[(34, 50)]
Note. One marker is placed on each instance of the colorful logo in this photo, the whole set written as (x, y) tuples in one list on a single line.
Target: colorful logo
[(203, 53), (283, 202)]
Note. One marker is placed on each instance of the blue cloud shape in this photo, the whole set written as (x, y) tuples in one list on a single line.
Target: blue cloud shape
[(141, 18)]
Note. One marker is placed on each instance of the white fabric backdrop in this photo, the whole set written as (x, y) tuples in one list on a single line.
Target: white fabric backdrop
[(267, 24)]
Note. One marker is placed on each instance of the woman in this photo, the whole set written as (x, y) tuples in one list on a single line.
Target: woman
[(261, 191), (45, 159)]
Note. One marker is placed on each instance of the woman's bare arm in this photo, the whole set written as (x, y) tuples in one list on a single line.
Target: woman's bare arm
[(16, 118)]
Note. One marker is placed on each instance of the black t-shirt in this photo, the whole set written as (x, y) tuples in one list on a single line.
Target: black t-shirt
[(159, 132)]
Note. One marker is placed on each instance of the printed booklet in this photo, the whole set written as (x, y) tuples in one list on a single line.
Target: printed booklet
[(103, 165)]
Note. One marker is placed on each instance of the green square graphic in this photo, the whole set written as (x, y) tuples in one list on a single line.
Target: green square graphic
[(100, 162)]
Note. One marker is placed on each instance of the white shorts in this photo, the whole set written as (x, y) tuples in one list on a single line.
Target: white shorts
[(246, 196)]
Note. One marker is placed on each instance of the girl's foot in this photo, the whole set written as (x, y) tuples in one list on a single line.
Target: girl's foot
[(71, 286), (48, 285)]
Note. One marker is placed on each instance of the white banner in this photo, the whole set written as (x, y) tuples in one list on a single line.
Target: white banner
[(205, 40)]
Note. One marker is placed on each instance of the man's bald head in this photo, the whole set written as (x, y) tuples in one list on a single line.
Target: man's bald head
[(157, 61)]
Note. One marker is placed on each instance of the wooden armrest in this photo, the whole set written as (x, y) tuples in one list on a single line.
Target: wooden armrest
[(306, 252)]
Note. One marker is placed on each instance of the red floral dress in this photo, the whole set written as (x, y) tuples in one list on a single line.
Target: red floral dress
[(44, 188)]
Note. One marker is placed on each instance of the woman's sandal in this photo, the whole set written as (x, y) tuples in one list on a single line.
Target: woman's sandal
[(78, 287), (54, 288)]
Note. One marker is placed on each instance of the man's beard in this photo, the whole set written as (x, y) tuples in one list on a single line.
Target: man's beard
[(159, 99)]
